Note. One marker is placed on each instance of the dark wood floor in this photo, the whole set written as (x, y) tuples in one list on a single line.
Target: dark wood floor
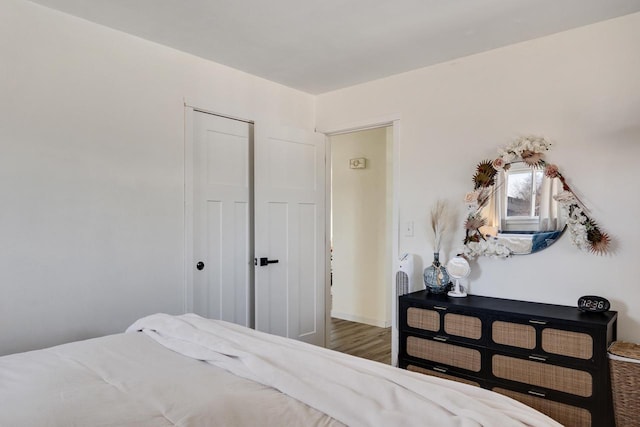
[(358, 339)]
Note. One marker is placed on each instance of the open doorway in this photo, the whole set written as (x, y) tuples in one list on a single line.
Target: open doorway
[(361, 242)]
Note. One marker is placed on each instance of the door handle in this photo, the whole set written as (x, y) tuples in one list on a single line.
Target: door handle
[(266, 261), (200, 265)]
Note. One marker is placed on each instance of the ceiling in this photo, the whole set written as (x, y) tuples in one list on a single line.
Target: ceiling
[(322, 45)]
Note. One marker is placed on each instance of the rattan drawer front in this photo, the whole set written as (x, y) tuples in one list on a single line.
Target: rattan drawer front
[(420, 318), (567, 415), (440, 375), (463, 326), (567, 343), (452, 355), (513, 334), (539, 374)]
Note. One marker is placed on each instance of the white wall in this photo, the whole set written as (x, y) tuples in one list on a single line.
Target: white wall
[(91, 161), (359, 209), (581, 89), (91, 171)]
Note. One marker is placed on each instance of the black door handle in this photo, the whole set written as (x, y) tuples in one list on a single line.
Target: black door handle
[(200, 265), (266, 261)]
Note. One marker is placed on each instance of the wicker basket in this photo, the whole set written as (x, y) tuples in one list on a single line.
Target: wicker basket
[(624, 360)]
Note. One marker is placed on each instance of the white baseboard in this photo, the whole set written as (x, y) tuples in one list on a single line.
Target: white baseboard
[(361, 319)]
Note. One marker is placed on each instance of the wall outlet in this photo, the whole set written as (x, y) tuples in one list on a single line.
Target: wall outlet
[(408, 229)]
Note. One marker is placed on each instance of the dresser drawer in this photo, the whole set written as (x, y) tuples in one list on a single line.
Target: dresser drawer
[(567, 415), (440, 373), (424, 319), (542, 337), (553, 377), (567, 343), (438, 320), (513, 334), (469, 359), (465, 326)]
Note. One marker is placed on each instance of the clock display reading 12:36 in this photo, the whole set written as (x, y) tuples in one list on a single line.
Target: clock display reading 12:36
[(593, 304)]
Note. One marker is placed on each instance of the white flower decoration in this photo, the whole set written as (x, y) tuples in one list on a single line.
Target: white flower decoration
[(471, 198), (533, 143), (490, 247), (566, 198)]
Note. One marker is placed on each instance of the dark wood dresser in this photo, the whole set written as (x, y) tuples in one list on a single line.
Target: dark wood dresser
[(550, 357)]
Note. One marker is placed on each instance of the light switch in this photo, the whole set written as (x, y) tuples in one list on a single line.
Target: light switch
[(408, 229)]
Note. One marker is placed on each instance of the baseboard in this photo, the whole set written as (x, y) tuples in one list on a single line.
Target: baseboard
[(361, 319)]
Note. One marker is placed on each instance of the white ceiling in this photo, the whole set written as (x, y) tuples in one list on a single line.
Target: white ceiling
[(321, 45)]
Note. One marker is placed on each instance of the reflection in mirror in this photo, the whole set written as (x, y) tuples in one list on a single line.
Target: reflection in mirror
[(523, 188), (521, 213)]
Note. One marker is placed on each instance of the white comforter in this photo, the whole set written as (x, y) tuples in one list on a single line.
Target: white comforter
[(128, 380), (251, 379)]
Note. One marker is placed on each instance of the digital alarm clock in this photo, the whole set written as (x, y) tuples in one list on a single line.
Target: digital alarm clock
[(593, 304)]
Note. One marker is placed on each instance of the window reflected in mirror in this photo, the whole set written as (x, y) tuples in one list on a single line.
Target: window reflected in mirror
[(523, 192), (521, 212)]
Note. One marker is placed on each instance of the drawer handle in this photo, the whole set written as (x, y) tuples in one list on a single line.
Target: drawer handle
[(439, 369), (538, 358), (538, 322), (441, 339), (537, 393), (439, 307)]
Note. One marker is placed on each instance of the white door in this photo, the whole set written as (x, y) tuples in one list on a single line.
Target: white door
[(222, 212), (290, 229)]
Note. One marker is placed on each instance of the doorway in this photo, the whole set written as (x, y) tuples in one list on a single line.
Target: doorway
[(361, 237)]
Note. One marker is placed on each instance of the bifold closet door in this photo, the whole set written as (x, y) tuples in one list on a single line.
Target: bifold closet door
[(290, 233), (259, 226), (222, 238)]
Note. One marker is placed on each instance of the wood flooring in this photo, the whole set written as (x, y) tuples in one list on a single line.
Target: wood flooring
[(359, 339)]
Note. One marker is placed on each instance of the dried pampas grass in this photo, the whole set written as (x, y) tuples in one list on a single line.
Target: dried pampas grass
[(440, 223)]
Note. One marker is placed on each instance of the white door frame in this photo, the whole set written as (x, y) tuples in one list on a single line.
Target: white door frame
[(394, 121)]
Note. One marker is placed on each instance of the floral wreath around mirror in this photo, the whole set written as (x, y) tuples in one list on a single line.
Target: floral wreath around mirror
[(585, 232)]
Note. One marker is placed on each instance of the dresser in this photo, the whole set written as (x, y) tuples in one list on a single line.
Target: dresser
[(550, 357)]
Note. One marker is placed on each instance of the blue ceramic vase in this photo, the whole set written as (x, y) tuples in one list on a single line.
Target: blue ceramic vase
[(436, 278)]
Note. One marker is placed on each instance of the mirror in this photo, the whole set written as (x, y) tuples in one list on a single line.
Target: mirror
[(521, 205)]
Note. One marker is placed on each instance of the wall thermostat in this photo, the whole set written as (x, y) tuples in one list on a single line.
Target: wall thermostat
[(359, 163)]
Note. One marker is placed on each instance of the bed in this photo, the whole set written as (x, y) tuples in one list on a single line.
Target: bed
[(190, 371)]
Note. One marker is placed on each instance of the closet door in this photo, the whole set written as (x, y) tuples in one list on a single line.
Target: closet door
[(222, 218), (265, 197), (290, 233)]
